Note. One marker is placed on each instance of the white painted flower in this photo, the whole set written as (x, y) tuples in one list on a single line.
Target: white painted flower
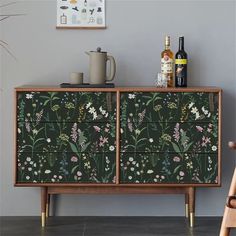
[(204, 111), (28, 159), (53, 180), (79, 173), (27, 177), (48, 140), (194, 110), (95, 116), (132, 96), (35, 131), (151, 140), (150, 171), (111, 148), (190, 105), (60, 177), (47, 172), (132, 168), (130, 177), (138, 173), (209, 115), (214, 148), (30, 169), (88, 105), (131, 114), (131, 159), (19, 131), (137, 131), (121, 131), (92, 110), (29, 96), (197, 116)]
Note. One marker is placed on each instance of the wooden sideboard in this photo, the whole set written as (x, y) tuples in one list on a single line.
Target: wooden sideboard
[(118, 140)]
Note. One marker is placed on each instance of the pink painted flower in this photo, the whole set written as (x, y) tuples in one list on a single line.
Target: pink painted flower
[(176, 159), (79, 173), (74, 159), (199, 128), (181, 173), (97, 129), (106, 130), (176, 132), (205, 141)]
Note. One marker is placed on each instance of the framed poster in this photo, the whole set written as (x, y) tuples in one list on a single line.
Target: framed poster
[(81, 14)]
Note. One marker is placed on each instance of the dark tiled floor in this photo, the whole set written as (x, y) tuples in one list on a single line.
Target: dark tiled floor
[(110, 226)]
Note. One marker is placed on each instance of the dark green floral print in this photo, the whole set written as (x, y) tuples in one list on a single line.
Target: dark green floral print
[(169, 137), (66, 137), (70, 137), (169, 168), (66, 167)]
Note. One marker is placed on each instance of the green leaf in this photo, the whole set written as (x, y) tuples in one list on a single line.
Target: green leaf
[(142, 139), (74, 168), (56, 98), (176, 169), (176, 148), (46, 102), (187, 147), (73, 148), (84, 147)]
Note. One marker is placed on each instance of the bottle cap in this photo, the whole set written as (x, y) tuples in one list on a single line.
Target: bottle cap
[(167, 40)]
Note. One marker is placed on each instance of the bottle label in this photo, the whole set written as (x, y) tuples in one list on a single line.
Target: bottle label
[(166, 65), (181, 61)]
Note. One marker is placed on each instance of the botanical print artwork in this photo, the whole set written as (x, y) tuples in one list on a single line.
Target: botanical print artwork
[(66, 167), (70, 137), (169, 168), (66, 137), (81, 13), (169, 137)]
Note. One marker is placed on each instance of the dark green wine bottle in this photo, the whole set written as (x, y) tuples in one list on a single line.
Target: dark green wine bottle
[(181, 60)]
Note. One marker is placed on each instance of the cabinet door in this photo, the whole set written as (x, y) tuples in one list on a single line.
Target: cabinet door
[(170, 137), (66, 137)]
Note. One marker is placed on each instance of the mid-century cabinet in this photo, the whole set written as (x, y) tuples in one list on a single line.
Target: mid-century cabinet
[(118, 140)]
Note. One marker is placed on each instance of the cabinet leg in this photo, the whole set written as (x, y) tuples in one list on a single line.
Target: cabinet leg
[(191, 206), (186, 205), (43, 205), (48, 205)]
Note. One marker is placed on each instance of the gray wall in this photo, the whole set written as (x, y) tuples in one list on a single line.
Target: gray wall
[(135, 37)]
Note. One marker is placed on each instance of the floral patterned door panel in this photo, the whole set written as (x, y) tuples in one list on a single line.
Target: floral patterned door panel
[(66, 137), (169, 137)]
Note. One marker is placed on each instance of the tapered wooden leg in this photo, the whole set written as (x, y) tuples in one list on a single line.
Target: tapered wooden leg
[(48, 205), (186, 205), (43, 205), (191, 206)]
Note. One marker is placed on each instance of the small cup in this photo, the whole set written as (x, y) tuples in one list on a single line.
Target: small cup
[(76, 78)]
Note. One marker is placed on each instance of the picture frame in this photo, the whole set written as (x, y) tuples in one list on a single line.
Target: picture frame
[(81, 14)]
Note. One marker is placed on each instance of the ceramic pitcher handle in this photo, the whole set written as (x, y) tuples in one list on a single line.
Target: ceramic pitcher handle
[(112, 68)]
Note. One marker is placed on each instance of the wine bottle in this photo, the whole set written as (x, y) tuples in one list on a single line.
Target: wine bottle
[(181, 60), (167, 62)]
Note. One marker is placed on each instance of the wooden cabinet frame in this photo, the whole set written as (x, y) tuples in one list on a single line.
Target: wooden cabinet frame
[(58, 188)]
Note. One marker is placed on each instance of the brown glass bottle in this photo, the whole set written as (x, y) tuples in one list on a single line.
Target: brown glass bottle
[(167, 62)]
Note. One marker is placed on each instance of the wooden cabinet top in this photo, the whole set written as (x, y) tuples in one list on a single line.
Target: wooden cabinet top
[(120, 89)]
